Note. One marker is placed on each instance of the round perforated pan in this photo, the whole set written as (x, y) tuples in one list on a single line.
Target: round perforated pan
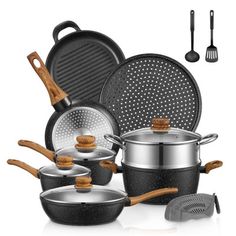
[(152, 85), (81, 61)]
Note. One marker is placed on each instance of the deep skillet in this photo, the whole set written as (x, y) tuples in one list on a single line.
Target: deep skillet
[(86, 204), (70, 121), (81, 61)]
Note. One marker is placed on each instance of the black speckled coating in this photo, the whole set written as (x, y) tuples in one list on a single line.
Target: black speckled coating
[(48, 182), (100, 175), (138, 181), (83, 213)]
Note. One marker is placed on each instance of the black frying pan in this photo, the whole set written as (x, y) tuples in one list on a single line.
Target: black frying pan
[(81, 61), (70, 121)]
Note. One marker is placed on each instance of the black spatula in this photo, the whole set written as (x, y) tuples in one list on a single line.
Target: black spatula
[(211, 52)]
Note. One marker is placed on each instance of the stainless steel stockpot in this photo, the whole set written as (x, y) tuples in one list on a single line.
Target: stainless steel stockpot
[(161, 147)]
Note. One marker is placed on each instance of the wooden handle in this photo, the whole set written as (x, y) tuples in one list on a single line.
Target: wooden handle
[(24, 166), (212, 165), (152, 194), (83, 182), (160, 124), (109, 165), (64, 162), (38, 148), (56, 94)]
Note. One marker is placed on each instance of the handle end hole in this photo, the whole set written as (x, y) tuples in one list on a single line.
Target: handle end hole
[(37, 63)]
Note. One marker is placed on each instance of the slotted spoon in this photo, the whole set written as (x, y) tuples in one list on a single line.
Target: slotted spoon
[(211, 52)]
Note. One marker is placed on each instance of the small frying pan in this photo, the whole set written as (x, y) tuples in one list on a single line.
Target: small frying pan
[(86, 204), (53, 176), (70, 121)]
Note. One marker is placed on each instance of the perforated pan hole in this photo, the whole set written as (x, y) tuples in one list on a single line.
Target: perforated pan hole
[(80, 121), (152, 86)]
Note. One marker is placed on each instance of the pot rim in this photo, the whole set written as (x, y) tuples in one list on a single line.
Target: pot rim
[(196, 140)]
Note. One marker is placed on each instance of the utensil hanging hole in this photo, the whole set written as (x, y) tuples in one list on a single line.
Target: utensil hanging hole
[(37, 63)]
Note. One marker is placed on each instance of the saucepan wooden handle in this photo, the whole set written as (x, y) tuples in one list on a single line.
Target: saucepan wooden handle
[(24, 166), (38, 148), (212, 165), (56, 94), (150, 195)]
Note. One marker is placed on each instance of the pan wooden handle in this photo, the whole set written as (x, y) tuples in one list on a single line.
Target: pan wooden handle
[(56, 94), (212, 165), (38, 148), (150, 195), (24, 166)]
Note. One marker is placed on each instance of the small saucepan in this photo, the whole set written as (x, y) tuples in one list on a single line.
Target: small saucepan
[(53, 176), (86, 204), (161, 156), (85, 153)]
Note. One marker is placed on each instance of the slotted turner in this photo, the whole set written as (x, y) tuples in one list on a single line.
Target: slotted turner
[(211, 52), (192, 206)]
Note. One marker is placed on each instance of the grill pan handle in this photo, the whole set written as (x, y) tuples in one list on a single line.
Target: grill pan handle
[(56, 94), (114, 139), (62, 26), (208, 139)]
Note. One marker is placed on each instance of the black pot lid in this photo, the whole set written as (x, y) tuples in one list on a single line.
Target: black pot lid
[(83, 192)]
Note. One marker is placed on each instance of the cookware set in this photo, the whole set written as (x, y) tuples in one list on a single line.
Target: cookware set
[(149, 106)]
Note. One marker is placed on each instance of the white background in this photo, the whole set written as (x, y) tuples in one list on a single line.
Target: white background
[(149, 26)]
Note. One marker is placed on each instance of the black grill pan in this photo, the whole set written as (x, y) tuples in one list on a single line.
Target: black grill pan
[(81, 61), (152, 85)]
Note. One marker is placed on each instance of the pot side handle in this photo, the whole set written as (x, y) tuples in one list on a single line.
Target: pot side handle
[(62, 26), (114, 139), (24, 166), (208, 139), (210, 166), (111, 166), (38, 148), (146, 196)]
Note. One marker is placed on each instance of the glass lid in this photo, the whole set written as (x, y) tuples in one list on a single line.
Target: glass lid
[(86, 149), (83, 192), (161, 133), (65, 167)]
